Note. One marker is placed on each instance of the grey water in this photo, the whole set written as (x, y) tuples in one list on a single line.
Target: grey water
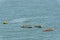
[(19, 12)]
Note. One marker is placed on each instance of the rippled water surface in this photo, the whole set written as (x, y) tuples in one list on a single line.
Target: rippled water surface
[(32, 12)]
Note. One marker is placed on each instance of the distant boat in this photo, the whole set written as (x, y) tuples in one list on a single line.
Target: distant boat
[(5, 22), (26, 26), (38, 26), (49, 29)]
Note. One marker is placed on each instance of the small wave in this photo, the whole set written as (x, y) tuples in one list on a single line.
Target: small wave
[(28, 19), (18, 20)]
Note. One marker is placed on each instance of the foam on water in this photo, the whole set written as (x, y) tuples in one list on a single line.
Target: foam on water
[(28, 19), (25, 19)]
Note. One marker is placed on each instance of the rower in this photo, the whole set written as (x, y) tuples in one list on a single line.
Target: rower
[(5, 22)]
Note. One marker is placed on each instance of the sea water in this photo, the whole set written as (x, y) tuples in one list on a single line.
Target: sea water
[(32, 12)]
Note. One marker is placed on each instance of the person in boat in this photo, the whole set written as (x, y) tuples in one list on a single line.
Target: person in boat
[(49, 29), (5, 22), (26, 26), (38, 26)]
